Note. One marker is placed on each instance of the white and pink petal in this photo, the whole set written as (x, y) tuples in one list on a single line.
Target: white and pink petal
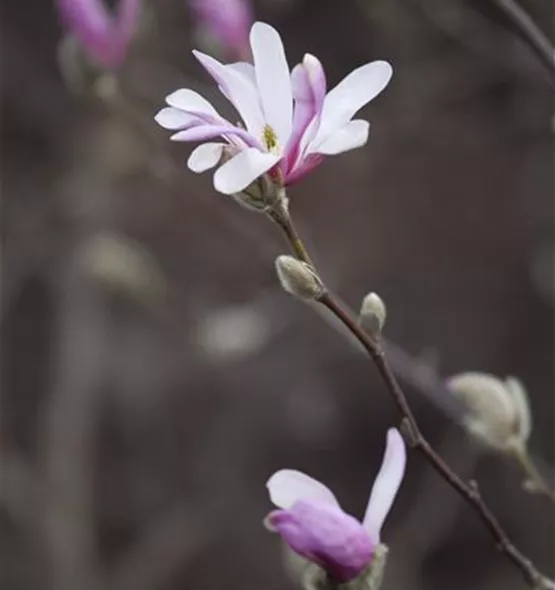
[(205, 156), (351, 94), (352, 135), (272, 79), (240, 91), (386, 484), (242, 170), (172, 118), (288, 486)]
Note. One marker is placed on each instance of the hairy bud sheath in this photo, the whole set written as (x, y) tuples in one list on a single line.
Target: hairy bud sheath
[(373, 314), (298, 278)]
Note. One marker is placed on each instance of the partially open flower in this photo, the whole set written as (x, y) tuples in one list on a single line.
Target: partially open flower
[(313, 524), (103, 36), (498, 411), (289, 122)]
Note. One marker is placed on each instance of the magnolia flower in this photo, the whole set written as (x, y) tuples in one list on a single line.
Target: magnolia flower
[(226, 22), (313, 524), (103, 36), (289, 122)]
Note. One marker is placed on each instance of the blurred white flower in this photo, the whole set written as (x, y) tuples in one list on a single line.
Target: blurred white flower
[(498, 411)]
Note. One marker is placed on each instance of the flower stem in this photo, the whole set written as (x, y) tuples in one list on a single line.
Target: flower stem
[(469, 491)]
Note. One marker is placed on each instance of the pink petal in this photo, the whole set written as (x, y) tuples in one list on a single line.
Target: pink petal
[(272, 79), (324, 534), (352, 135), (350, 95), (240, 91), (386, 484), (205, 156), (205, 131), (242, 170), (288, 486), (309, 90)]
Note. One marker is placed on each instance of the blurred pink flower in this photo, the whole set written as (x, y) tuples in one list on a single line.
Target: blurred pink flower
[(290, 123), (227, 22), (313, 524), (103, 36)]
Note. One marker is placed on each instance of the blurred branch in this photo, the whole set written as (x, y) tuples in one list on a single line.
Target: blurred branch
[(69, 436), (529, 30), (373, 346)]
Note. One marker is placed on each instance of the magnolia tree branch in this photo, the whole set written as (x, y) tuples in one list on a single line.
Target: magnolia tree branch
[(469, 491)]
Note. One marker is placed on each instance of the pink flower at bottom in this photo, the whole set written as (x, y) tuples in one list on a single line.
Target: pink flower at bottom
[(313, 524), (290, 123)]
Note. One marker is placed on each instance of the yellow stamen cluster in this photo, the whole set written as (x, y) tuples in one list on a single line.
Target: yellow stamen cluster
[(270, 138)]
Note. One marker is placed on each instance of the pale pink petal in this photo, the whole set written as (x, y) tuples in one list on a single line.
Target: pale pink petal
[(205, 156), (192, 102), (288, 486), (239, 90), (206, 131), (386, 484), (353, 135), (242, 170), (351, 94), (272, 79), (170, 118)]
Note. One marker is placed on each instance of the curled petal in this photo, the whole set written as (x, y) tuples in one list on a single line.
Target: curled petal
[(205, 156), (288, 486), (327, 536), (386, 484), (273, 79), (242, 170), (350, 95), (352, 135)]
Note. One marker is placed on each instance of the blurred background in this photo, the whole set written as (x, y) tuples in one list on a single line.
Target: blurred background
[(154, 374)]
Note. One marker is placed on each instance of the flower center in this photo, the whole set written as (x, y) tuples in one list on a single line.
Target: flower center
[(270, 138)]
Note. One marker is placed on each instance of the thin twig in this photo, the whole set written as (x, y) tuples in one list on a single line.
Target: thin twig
[(469, 491), (529, 30)]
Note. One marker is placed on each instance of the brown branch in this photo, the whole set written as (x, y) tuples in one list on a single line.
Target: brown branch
[(469, 491)]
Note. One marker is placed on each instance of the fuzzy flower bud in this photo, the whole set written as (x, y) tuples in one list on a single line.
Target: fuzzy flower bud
[(498, 411), (298, 278), (373, 314)]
